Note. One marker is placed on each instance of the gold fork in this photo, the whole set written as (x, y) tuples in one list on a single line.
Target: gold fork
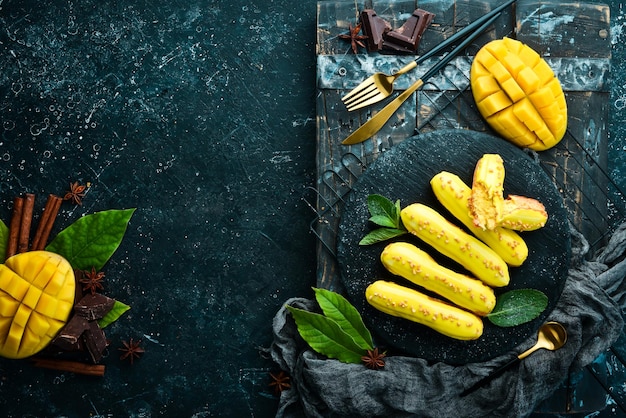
[(380, 85)]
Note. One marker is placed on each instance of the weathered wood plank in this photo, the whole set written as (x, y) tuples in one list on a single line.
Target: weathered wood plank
[(575, 74), (333, 19), (578, 164), (568, 29)]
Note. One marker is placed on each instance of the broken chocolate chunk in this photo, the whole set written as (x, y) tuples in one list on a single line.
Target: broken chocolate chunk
[(95, 341), (69, 337), (408, 36), (375, 28), (92, 307)]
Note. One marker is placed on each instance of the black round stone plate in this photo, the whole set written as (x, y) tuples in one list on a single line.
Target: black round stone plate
[(404, 173)]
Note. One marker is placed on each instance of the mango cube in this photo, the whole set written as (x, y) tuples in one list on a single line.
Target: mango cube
[(8, 306), (494, 103), (32, 297)]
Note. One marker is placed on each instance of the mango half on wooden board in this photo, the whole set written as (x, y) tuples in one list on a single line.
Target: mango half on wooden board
[(518, 94), (37, 290)]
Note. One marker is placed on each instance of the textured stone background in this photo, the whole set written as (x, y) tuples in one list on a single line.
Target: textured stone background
[(201, 115)]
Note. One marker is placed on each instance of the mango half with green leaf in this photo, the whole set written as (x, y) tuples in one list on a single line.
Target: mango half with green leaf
[(518, 94), (37, 290)]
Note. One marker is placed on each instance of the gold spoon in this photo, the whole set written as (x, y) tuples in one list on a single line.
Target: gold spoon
[(551, 336)]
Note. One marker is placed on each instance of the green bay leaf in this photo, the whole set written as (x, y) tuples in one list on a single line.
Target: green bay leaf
[(92, 240), (113, 315), (517, 307), (325, 336), (338, 308), (4, 240)]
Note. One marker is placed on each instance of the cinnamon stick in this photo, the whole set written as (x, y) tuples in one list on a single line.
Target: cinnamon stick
[(14, 226), (26, 221), (70, 366), (46, 222)]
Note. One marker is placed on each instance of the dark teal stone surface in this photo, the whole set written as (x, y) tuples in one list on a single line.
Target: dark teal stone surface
[(200, 114), (617, 104)]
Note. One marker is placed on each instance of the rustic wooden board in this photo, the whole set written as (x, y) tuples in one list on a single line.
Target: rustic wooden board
[(573, 37)]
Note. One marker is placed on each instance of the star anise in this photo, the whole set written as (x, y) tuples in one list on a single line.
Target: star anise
[(76, 193), (374, 359), (131, 350), (354, 37), (280, 382), (91, 280)]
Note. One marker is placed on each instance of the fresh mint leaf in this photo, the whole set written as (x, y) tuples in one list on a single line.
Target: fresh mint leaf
[(338, 308), (326, 337), (517, 307), (92, 240), (4, 240), (113, 315), (385, 214), (381, 207), (381, 234), (383, 220)]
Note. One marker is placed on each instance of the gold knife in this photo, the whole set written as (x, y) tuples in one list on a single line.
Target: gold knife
[(369, 128)]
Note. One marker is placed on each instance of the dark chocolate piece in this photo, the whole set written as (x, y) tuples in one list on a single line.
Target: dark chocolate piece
[(375, 28), (95, 341), (92, 307), (82, 330), (69, 337), (408, 36)]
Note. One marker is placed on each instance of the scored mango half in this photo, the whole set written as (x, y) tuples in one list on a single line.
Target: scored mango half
[(37, 290), (518, 94)]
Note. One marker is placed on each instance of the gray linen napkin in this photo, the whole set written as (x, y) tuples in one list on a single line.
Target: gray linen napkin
[(590, 308)]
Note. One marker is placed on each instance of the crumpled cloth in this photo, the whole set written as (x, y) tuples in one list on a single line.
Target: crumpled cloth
[(590, 308)]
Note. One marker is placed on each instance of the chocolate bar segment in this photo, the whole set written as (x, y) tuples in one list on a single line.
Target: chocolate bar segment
[(95, 341), (69, 337), (92, 307), (375, 28), (407, 37)]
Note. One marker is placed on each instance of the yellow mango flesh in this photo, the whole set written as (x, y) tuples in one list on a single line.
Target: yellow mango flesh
[(518, 94), (36, 299)]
